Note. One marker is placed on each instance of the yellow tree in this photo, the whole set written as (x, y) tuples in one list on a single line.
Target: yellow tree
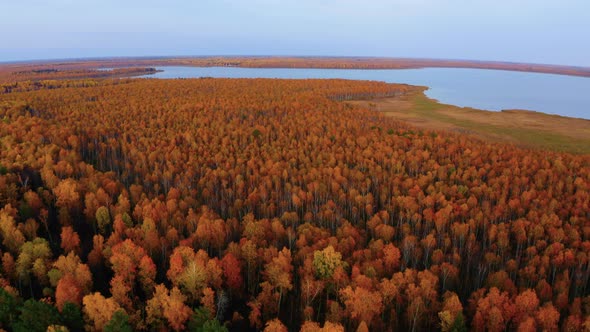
[(326, 261), (275, 325), (279, 273), (452, 307), (12, 237), (98, 310), (67, 198)]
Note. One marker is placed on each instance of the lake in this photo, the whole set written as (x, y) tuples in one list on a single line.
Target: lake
[(492, 90)]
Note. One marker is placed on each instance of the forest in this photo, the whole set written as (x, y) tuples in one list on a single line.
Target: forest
[(272, 205)]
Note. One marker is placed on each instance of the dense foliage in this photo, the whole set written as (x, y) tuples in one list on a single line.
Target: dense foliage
[(208, 204)]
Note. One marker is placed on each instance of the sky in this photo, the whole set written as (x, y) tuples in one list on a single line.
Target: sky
[(536, 31)]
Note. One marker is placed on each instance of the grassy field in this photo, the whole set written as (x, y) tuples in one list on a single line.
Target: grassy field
[(525, 128)]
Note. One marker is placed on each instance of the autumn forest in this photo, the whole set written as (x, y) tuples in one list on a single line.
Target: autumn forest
[(275, 205)]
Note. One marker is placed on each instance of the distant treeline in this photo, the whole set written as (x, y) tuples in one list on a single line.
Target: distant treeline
[(70, 74), (296, 62)]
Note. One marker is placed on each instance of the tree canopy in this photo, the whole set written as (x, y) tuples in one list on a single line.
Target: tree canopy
[(220, 204)]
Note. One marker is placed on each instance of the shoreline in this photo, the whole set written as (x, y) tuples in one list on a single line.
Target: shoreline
[(370, 63), (528, 129)]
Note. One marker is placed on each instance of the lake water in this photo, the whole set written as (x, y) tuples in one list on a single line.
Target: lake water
[(492, 90)]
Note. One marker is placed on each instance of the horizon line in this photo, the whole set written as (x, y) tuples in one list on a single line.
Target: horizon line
[(163, 57)]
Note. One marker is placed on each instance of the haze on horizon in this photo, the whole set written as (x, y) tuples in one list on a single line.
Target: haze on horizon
[(535, 31)]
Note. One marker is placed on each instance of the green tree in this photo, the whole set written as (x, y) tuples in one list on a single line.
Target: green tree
[(36, 316), (200, 322), (71, 317), (34, 256), (118, 323), (8, 306), (458, 324)]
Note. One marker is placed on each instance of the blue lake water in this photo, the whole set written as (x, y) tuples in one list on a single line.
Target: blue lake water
[(492, 90)]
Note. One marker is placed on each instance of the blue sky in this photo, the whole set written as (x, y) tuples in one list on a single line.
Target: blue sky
[(538, 31)]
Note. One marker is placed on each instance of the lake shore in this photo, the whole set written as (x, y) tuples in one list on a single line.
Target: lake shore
[(526, 128), (295, 62), (520, 127)]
